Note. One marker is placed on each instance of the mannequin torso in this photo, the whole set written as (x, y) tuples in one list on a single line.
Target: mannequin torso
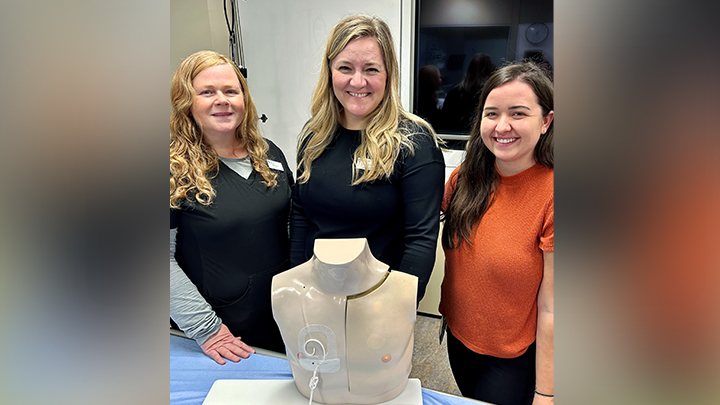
[(344, 316)]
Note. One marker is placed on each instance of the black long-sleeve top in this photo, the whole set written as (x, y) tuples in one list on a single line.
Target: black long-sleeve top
[(399, 216)]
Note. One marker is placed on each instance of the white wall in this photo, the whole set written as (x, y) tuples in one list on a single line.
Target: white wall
[(189, 30)]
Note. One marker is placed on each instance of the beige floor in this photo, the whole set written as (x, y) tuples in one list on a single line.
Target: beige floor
[(430, 363)]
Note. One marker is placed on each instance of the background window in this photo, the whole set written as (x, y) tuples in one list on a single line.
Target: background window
[(460, 42)]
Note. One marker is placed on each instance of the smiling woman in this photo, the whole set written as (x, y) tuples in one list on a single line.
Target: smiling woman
[(229, 206), (500, 342), (511, 125), (219, 108), (359, 76), (366, 167)]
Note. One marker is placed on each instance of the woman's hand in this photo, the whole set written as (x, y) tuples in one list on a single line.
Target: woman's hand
[(224, 344)]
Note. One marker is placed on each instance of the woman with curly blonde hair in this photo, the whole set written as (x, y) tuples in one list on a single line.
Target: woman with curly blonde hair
[(229, 206), (366, 167)]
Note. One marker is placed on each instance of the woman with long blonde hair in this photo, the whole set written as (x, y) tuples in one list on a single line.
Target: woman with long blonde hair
[(366, 167), (230, 194)]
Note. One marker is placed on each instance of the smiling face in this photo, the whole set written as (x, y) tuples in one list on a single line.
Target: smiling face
[(359, 77), (218, 105), (512, 123)]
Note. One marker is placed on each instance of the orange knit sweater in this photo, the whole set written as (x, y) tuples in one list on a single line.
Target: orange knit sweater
[(489, 293)]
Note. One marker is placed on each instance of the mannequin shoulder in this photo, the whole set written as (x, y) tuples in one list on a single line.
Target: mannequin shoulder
[(295, 279), (399, 278)]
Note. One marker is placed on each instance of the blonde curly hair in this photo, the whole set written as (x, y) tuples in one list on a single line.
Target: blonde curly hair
[(383, 136), (193, 163)]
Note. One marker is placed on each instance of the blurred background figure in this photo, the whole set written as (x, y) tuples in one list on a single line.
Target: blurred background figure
[(429, 83), (461, 101)]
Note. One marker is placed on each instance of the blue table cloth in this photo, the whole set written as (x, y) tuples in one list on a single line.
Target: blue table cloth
[(192, 374)]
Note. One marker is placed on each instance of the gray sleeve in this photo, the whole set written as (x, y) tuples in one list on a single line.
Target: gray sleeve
[(188, 308)]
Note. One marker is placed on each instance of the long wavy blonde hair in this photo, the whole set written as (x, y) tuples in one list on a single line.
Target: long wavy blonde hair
[(384, 134), (193, 163)]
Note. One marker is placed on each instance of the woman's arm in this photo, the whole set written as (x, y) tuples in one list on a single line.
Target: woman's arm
[(299, 228), (423, 185), (545, 334), (299, 222), (194, 316), (275, 153), (188, 308)]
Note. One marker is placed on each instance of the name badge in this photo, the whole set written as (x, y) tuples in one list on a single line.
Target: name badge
[(275, 165), (359, 164)]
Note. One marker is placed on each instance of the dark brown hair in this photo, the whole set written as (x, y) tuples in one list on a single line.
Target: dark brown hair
[(477, 177)]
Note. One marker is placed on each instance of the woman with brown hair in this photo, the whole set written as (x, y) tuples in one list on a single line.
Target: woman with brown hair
[(497, 294)]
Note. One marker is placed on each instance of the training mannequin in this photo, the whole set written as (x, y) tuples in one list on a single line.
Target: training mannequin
[(347, 319)]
